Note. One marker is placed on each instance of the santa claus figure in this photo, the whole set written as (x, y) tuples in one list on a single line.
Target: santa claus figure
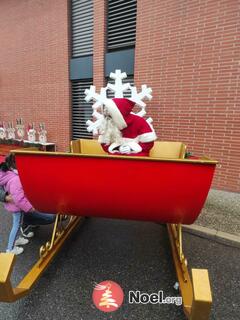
[(123, 132), (120, 130)]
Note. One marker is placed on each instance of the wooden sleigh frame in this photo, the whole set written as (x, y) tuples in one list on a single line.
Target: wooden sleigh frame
[(195, 289)]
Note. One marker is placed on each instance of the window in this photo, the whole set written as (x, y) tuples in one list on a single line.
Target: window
[(82, 49), (81, 110), (82, 28), (121, 24)]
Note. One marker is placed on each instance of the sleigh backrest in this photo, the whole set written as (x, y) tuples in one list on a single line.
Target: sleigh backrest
[(75, 146), (91, 146), (168, 149), (86, 146), (161, 149)]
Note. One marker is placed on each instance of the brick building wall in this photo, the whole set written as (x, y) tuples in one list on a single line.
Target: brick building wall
[(188, 52), (34, 65)]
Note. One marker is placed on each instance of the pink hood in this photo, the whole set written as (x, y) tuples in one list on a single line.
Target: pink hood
[(12, 184)]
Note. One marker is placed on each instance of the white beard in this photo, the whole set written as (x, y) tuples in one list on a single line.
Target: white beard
[(110, 132)]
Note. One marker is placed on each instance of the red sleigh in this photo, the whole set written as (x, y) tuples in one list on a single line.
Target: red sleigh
[(167, 190), (164, 187)]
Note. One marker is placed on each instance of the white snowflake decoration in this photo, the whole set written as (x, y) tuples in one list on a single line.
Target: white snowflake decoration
[(99, 98), (118, 88), (137, 97)]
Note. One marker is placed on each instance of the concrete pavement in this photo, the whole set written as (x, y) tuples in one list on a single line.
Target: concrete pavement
[(221, 212)]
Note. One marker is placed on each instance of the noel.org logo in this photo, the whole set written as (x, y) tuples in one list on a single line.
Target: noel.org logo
[(108, 296)]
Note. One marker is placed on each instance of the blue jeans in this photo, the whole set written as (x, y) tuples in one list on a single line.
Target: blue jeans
[(38, 218), (17, 218)]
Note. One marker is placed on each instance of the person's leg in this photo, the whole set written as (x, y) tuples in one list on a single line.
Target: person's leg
[(14, 231), (38, 218)]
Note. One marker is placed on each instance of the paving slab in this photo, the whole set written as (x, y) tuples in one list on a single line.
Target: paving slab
[(221, 212)]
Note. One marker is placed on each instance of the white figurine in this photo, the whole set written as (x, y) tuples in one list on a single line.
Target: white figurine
[(42, 133), (10, 131), (31, 133), (20, 128)]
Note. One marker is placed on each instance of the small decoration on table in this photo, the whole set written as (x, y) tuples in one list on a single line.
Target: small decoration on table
[(3, 133), (20, 128), (42, 133), (10, 131), (31, 133)]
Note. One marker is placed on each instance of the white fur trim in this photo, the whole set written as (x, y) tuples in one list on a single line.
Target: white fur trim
[(147, 137), (116, 114), (113, 146)]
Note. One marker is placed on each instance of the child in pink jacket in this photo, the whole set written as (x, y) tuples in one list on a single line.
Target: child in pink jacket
[(20, 206), (9, 179)]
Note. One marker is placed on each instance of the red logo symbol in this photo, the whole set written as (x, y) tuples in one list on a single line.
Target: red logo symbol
[(108, 296)]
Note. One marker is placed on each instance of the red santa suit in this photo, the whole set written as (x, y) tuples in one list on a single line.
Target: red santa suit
[(137, 135)]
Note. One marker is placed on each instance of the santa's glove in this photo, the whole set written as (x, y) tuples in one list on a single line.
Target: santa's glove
[(125, 149), (135, 147)]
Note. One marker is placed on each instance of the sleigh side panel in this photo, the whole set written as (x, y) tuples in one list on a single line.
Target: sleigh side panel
[(116, 187)]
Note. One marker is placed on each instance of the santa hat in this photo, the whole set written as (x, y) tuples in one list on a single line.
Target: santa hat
[(119, 109)]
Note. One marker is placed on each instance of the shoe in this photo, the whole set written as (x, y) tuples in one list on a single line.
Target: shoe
[(21, 241), (16, 250), (25, 233)]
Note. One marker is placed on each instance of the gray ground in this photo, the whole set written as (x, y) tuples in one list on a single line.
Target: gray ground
[(134, 254), (221, 212)]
